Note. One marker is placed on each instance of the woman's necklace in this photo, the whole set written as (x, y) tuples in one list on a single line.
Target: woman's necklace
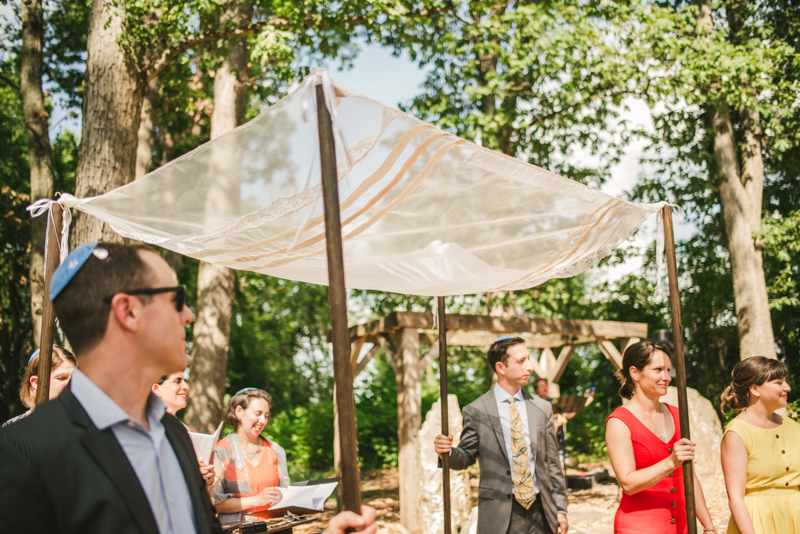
[(251, 455)]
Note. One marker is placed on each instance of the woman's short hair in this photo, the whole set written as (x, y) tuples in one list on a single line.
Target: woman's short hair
[(753, 371), (26, 393), (243, 399), (638, 355)]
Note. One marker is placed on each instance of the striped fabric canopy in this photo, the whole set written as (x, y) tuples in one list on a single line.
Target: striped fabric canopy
[(423, 212)]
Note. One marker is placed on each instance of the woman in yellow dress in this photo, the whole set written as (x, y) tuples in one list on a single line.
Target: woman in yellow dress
[(761, 451)]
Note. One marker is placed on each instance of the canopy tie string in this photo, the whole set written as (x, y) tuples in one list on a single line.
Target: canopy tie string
[(44, 205), (661, 254)]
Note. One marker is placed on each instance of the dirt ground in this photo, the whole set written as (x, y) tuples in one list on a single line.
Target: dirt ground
[(591, 511)]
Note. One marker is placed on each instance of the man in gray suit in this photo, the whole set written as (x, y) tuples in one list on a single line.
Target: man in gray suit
[(522, 488)]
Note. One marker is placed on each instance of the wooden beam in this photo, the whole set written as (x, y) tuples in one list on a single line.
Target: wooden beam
[(433, 352), (547, 361), (626, 342), (482, 339), (507, 325), (337, 296), (680, 364), (355, 351), (368, 357), (610, 351), (52, 259), (561, 364)]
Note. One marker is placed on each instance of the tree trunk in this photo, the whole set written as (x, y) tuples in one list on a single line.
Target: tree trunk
[(39, 151), (147, 131), (215, 284), (754, 323), (405, 349), (740, 191), (112, 106)]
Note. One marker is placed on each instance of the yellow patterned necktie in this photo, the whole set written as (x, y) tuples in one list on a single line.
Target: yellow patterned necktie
[(524, 492)]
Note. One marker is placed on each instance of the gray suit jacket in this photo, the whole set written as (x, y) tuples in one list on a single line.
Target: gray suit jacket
[(482, 438)]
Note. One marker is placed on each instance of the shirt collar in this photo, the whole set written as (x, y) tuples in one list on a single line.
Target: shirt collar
[(102, 410), (502, 395)]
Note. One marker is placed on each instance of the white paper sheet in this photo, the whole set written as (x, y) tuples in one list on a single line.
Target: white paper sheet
[(204, 443), (309, 497)]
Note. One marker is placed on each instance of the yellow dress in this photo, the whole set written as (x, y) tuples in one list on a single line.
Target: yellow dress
[(773, 475)]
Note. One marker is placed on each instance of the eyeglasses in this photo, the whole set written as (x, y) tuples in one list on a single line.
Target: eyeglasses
[(179, 300)]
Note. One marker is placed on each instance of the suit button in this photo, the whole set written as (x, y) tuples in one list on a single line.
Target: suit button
[(672, 474), (508, 472), (509, 495), (787, 483), (674, 504), (783, 452), (672, 490), (669, 450), (672, 521), (778, 436)]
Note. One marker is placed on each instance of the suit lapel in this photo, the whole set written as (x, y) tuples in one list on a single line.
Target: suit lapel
[(490, 405), (106, 451), (188, 461)]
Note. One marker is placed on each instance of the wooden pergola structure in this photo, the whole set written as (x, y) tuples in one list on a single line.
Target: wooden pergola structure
[(401, 334)]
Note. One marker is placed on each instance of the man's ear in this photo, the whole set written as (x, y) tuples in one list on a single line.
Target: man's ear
[(156, 390), (34, 382), (126, 311), (500, 369)]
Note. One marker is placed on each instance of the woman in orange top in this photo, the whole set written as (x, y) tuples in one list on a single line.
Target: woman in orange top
[(249, 467)]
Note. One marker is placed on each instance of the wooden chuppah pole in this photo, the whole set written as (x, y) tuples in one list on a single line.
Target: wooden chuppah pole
[(445, 412), (337, 296), (52, 259), (680, 364)]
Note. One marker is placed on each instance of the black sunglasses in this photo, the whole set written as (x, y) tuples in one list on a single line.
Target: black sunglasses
[(179, 300)]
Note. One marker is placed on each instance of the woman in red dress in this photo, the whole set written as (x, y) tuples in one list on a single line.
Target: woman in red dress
[(646, 450)]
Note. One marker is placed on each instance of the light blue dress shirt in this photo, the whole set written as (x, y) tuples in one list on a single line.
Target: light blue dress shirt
[(504, 410), (150, 454)]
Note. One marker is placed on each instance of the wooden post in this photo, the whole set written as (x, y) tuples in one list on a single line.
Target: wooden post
[(680, 366), (52, 260), (445, 418), (337, 296)]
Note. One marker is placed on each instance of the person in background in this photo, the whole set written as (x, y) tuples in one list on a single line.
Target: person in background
[(249, 467), (646, 450), (512, 432), (761, 451), (63, 363), (560, 419), (172, 389)]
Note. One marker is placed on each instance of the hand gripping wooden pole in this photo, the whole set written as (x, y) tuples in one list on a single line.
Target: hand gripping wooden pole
[(52, 260), (337, 296), (445, 418), (680, 365)]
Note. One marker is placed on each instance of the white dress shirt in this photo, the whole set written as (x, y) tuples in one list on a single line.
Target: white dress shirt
[(150, 454), (504, 410)]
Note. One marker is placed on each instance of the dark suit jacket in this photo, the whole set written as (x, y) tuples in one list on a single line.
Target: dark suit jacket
[(482, 438), (60, 474)]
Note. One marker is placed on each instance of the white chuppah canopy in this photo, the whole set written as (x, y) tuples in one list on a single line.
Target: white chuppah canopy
[(423, 212)]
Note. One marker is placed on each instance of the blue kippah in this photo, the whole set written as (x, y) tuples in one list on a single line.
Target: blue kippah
[(35, 354), (503, 338), (243, 390), (69, 268)]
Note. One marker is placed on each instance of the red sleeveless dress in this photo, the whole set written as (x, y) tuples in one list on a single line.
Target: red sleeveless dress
[(662, 508)]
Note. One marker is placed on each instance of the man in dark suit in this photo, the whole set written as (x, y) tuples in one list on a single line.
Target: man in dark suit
[(522, 488), (105, 456)]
